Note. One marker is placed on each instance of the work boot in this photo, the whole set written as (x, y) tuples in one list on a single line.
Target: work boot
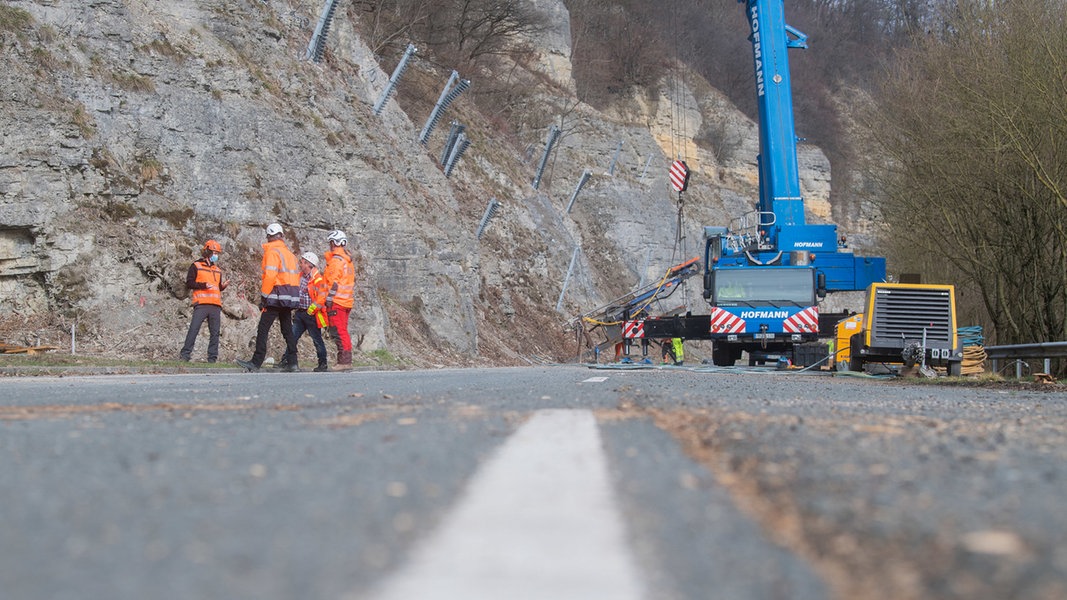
[(248, 365), (344, 361), (291, 368), (322, 367)]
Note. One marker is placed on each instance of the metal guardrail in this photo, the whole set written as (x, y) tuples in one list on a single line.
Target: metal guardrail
[(1019, 352)]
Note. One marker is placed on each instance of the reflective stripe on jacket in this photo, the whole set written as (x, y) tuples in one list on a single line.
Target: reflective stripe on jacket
[(207, 273), (317, 287), (281, 276), (340, 278)]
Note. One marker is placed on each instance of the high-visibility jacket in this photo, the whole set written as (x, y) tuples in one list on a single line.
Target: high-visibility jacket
[(340, 278), (281, 276), (317, 287), (207, 274)]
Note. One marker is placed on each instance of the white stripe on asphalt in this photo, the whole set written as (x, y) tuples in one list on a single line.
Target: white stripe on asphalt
[(537, 521)]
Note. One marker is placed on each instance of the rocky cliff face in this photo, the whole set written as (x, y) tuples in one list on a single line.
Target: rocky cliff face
[(133, 130)]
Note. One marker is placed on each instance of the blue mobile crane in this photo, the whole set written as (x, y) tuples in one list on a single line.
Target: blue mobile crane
[(764, 274)]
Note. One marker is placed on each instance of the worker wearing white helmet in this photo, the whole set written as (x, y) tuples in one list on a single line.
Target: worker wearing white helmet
[(310, 315), (279, 295), (340, 276)]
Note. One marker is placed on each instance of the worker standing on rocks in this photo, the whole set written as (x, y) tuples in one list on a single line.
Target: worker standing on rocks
[(205, 283), (279, 295), (340, 278), (310, 315)]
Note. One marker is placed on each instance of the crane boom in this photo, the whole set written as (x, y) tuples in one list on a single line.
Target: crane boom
[(777, 232), (779, 178)]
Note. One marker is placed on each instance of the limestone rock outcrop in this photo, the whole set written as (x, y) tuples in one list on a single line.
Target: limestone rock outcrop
[(133, 130)]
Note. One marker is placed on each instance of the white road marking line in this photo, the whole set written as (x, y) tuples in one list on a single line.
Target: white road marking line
[(595, 380), (537, 521)]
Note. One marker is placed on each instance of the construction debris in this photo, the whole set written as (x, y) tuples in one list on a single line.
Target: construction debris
[(9, 349), (1045, 378)]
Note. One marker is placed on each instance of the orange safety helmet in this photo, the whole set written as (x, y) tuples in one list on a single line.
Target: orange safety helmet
[(213, 246)]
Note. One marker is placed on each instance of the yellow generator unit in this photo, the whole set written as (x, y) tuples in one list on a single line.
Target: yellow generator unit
[(845, 329), (903, 323)]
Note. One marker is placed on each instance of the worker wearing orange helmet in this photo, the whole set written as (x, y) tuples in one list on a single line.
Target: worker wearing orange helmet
[(340, 276), (205, 283)]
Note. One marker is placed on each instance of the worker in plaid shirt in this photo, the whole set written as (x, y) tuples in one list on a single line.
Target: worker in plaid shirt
[(310, 315)]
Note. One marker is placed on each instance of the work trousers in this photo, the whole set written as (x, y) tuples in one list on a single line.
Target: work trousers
[(302, 322), (284, 316), (338, 320), (201, 312)]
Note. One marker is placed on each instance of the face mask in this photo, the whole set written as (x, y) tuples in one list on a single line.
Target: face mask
[(214, 258)]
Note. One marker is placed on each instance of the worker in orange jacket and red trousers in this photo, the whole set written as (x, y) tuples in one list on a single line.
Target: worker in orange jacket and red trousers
[(340, 278), (205, 282), (279, 295)]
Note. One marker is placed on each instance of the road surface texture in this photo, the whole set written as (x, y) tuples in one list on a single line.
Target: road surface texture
[(541, 483)]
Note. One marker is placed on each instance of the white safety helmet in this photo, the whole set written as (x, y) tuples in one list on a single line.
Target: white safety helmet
[(338, 237), (311, 257), (274, 229)]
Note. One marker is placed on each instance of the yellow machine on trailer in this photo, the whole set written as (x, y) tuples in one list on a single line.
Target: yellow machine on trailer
[(904, 323)]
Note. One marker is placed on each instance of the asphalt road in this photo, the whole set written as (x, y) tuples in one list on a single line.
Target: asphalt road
[(555, 482)]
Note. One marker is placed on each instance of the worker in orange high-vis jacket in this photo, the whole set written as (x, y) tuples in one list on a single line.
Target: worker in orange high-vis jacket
[(340, 276), (310, 315), (205, 283), (279, 295)]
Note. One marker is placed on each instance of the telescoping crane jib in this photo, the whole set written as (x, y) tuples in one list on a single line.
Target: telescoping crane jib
[(778, 170), (778, 227)]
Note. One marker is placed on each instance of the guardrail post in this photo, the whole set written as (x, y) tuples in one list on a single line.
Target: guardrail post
[(567, 279), (458, 148), (448, 95), (645, 170), (397, 73), (581, 183), (490, 211), (1044, 351), (553, 135), (317, 45), (453, 133)]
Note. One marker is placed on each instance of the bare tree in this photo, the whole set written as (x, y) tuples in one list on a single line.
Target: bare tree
[(485, 27), (454, 30), (974, 121), (392, 23)]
